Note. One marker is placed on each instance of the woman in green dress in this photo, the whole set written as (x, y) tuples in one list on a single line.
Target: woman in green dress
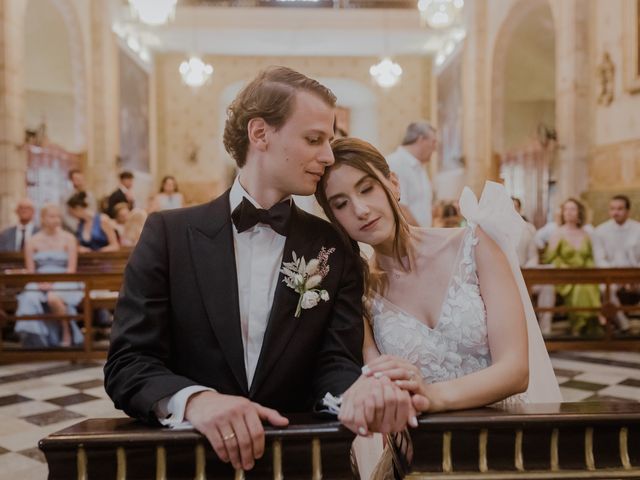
[(570, 247)]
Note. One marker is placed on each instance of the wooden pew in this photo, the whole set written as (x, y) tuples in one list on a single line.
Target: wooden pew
[(100, 291), (598, 276), (87, 261), (544, 441)]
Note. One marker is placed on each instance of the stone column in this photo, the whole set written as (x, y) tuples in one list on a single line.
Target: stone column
[(13, 159), (101, 163), (573, 102), (476, 95)]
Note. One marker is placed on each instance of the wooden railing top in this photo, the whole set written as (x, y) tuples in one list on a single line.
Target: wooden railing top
[(546, 274), (127, 430), (87, 261)]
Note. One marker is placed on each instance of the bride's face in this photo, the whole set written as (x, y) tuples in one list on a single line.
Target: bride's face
[(360, 205)]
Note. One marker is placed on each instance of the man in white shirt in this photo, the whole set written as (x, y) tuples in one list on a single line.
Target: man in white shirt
[(617, 244), (526, 246), (13, 239), (209, 327), (408, 162)]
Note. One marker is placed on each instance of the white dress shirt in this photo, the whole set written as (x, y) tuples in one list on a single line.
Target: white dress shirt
[(415, 187), (617, 245), (27, 232), (258, 253)]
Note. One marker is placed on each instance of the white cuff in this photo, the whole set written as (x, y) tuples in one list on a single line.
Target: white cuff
[(170, 410), (332, 403)]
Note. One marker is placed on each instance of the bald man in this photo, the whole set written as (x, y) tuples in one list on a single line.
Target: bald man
[(12, 239)]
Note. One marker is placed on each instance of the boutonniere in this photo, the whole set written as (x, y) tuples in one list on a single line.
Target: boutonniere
[(305, 278)]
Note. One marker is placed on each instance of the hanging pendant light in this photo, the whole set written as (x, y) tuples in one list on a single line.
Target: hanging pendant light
[(386, 73), (440, 13), (153, 12), (195, 72)]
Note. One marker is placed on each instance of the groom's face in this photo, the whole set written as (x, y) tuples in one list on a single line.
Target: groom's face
[(300, 150)]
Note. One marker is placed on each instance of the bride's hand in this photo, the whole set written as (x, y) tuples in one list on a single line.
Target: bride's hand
[(404, 374)]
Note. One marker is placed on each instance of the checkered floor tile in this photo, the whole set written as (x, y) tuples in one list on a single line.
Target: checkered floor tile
[(40, 398)]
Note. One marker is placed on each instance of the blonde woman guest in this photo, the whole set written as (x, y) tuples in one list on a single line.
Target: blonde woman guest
[(51, 250)]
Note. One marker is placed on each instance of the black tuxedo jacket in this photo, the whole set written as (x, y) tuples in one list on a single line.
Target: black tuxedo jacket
[(177, 320)]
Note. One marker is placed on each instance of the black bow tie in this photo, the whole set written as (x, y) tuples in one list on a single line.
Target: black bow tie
[(246, 215)]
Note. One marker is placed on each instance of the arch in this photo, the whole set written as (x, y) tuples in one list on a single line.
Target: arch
[(519, 12), (69, 16)]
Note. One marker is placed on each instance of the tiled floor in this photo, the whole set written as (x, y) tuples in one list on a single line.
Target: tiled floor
[(39, 398)]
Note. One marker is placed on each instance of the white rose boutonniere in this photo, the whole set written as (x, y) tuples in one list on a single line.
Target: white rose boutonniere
[(305, 278)]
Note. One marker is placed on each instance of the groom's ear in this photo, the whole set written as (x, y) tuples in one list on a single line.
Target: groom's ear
[(257, 132)]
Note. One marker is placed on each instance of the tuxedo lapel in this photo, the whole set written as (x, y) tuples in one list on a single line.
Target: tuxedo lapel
[(282, 321), (213, 258)]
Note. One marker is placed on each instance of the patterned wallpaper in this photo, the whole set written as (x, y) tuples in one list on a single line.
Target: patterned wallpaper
[(190, 122)]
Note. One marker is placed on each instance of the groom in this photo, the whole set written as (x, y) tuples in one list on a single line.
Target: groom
[(207, 330)]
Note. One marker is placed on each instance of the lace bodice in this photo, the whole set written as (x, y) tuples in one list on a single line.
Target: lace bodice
[(458, 343)]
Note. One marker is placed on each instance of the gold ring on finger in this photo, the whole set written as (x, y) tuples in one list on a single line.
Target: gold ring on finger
[(228, 437)]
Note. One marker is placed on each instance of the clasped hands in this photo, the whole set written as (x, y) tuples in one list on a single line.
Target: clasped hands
[(386, 398)]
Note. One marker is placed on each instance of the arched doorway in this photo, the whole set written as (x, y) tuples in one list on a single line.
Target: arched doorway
[(54, 96), (524, 105)]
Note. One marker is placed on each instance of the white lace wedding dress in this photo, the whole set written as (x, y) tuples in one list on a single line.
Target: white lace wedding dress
[(457, 344)]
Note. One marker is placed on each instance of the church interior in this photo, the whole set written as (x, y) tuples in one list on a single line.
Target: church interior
[(123, 97)]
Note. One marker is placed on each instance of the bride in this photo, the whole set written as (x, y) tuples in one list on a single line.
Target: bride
[(449, 316)]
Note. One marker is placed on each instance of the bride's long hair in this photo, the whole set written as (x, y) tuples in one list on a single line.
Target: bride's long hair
[(365, 157)]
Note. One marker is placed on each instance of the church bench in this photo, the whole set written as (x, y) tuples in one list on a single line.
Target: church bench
[(599, 276), (535, 441), (87, 261), (100, 292)]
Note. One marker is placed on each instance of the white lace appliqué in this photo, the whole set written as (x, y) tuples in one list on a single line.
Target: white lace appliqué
[(458, 344)]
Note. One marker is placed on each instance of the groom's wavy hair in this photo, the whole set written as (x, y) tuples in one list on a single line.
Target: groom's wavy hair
[(270, 96), (365, 157)]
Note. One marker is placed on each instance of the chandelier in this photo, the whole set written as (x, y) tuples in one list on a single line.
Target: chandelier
[(195, 72), (440, 13), (386, 73), (153, 12)]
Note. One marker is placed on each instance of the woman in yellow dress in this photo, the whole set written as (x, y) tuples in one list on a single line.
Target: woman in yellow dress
[(570, 247)]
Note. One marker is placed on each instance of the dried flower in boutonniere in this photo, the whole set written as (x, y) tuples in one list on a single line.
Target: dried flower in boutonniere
[(305, 278)]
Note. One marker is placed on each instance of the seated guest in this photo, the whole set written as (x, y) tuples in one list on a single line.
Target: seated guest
[(450, 216), (121, 215), (76, 177), (169, 197), (617, 244), (13, 239), (526, 247), (132, 229), (95, 231), (570, 247), (52, 250), (123, 193)]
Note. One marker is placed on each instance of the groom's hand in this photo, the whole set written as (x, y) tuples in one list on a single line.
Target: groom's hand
[(376, 405), (233, 425)]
